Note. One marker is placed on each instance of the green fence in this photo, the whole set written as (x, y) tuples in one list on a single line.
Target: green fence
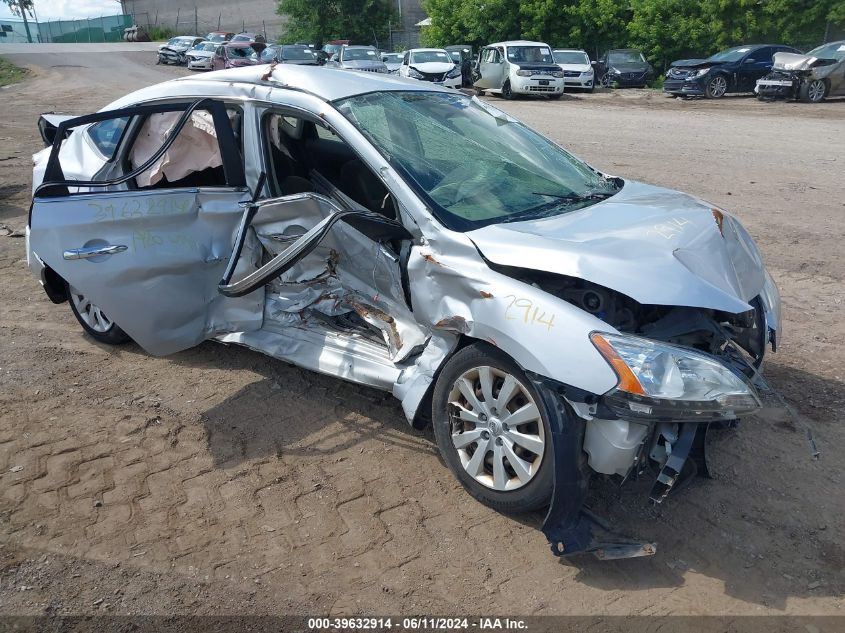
[(101, 29)]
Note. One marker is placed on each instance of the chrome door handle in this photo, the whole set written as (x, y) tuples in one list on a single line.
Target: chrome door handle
[(93, 251)]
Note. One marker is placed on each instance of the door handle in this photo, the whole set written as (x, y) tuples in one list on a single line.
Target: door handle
[(93, 251)]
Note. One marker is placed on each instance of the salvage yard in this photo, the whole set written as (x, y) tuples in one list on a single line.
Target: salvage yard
[(220, 481)]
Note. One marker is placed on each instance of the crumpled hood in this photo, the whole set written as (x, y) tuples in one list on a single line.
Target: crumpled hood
[(792, 61), (630, 67), (355, 64), (693, 63), (434, 68), (655, 245)]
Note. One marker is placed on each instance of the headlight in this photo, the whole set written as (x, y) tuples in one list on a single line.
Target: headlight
[(661, 380), (615, 71), (455, 72), (524, 73), (557, 73), (414, 73), (699, 73)]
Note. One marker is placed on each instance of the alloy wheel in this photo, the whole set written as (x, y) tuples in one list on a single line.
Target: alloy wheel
[(92, 315), (718, 87), (816, 90), (496, 428)]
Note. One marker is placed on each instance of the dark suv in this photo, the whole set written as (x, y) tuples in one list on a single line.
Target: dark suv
[(623, 68), (736, 69)]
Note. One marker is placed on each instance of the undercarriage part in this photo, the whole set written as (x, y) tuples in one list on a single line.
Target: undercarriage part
[(570, 527), (676, 468)]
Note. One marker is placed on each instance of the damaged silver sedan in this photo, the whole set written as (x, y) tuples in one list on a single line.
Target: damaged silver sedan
[(812, 77), (548, 319)]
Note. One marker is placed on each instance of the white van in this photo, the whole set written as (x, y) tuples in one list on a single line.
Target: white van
[(520, 67)]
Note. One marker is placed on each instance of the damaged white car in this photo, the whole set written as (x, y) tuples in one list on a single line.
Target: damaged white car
[(548, 319)]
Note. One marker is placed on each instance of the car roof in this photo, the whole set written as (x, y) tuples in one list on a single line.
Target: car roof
[(328, 84), (237, 44), (359, 46), (570, 50), (427, 50), (621, 50), (519, 43)]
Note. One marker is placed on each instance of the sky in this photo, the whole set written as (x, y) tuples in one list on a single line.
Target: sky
[(55, 9)]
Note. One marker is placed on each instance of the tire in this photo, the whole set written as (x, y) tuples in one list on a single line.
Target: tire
[(479, 93), (716, 87), (495, 483), (95, 323), (592, 88), (606, 81), (555, 97), (507, 93), (813, 91)]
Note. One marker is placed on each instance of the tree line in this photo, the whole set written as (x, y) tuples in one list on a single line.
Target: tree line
[(664, 30)]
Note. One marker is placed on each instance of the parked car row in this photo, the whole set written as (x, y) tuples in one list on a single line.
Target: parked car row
[(524, 67)]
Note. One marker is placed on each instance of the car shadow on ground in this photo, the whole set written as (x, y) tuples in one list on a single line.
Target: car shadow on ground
[(719, 528)]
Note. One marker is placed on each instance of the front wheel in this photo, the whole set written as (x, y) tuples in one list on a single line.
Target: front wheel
[(716, 87), (813, 91), (93, 320), (606, 81), (479, 92), (492, 429), (507, 93)]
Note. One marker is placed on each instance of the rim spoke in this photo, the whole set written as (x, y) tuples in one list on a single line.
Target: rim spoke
[(475, 466), (462, 440), (506, 393), (529, 442), (520, 466), (465, 414), (469, 393), (500, 475), (526, 413), (485, 377)]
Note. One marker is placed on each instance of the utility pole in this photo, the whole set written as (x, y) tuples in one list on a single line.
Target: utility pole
[(26, 25)]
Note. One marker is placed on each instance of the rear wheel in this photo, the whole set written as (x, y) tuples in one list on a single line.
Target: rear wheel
[(813, 91), (716, 87), (93, 320), (479, 92), (492, 429)]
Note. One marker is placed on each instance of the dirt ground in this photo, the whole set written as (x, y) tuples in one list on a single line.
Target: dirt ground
[(221, 481)]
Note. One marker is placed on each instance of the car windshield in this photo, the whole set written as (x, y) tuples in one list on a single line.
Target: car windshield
[(730, 55), (297, 52), (625, 57), (424, 57), (829, 51), (205, 46), (392, 58), (472, 163), (530, 54), (243, 37), (331, 49), (216, 37), (359, 53), (456, 56), (571, 57), (181, 41), (242, 52)]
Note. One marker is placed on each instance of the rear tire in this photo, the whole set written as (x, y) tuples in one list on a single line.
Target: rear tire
[(510, 424), (479, 93), (93, 320)]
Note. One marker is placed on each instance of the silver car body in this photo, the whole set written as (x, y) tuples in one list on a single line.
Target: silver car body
[(790, 71), (360, 58), (655, 246), (199, 57)]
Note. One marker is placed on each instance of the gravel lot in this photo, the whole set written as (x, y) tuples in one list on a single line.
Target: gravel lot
[(220, 481)]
